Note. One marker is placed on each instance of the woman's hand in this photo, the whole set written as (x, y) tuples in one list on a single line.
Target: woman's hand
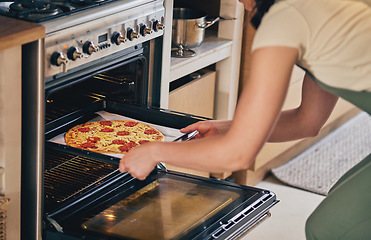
[(208, 128), (140, 161)]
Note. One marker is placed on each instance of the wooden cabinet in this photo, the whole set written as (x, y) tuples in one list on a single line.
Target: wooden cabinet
[(10, 135), (196, 96)]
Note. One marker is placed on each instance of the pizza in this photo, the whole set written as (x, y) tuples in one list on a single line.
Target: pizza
[(116, 136)]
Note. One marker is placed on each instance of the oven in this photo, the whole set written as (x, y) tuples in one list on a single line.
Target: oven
[(101, 60)]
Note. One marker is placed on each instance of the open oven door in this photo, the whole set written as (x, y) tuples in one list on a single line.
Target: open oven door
[(86, 197)]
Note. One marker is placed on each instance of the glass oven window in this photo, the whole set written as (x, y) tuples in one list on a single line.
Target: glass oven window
[(165, 209)]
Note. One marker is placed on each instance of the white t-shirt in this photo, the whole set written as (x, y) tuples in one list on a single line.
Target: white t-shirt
[(333, 38)]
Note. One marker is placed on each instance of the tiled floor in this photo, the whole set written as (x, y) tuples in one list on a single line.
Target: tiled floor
[(288, 216)]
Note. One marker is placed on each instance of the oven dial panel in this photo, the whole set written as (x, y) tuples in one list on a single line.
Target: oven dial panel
[(74, 53), (90, 42), (118, 38)]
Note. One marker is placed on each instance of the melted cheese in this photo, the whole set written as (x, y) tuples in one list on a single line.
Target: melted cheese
[(75, 138)]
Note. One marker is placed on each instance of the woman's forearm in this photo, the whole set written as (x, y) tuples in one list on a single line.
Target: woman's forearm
[(212, 153), (308, 119), (290, 127)]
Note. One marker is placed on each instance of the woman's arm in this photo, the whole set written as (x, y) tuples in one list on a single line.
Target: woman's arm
[(306, 120), (301, 122), (256, 114)]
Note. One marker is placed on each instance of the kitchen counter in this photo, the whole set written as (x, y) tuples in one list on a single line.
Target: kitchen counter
[(15, 32)]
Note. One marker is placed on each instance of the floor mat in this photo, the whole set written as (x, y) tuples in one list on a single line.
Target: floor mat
[(319, 167)]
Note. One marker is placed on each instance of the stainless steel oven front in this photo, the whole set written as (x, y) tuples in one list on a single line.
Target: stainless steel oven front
[(85, 41)]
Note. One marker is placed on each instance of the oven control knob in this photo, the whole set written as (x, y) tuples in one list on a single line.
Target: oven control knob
[(131, 34), (58, 59), (89, 48), (157, 25), (144, 29), (118, 38), (73, 53)]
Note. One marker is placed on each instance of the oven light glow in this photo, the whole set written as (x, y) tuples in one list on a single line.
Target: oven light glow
[(65, 47), (110, 216)]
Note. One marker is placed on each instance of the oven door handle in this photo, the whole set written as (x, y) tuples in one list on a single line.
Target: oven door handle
[(162, 167), (185, 137)]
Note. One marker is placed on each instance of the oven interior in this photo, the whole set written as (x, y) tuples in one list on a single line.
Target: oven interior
[(121, 89), (122, 82), (85, 196)]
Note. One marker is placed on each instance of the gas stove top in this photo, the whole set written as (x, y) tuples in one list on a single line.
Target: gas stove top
[(82, 33), (43, 10)]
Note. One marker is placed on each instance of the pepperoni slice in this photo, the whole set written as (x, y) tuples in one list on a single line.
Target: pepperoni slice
[(84, 129), (150, 131), (88, 145), (130, 124), (143, 141), (119, 141), (123, 133), (106, 123), (124, 148), (107, 130), (93, 139), (131, 144), (127, 146)]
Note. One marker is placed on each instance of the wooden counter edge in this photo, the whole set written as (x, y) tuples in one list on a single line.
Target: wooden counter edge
[(15, 32)]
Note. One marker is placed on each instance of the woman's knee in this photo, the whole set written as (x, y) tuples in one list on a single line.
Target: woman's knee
[(346, 210), (314, 227), (310, 227)]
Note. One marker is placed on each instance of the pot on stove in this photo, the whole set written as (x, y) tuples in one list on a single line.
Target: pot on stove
[(189, 30)]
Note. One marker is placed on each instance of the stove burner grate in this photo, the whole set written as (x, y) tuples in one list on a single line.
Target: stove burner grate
[(86, 2), (44, 10), (33, 9)]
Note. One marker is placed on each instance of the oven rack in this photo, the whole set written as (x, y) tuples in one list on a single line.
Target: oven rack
[(71, 173)]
